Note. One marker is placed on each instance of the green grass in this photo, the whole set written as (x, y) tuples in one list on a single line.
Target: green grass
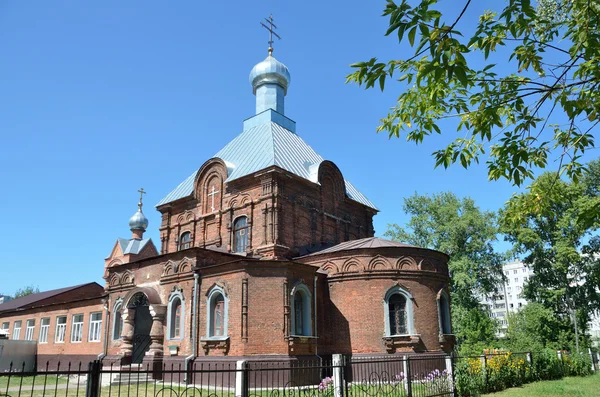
[(15, 381), (588, 386)]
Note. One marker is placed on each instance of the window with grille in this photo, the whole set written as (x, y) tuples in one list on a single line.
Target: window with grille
[(397, 309), (95, 327), (299, 314), (175, 317), (77, 328), (219, 316), (29, 330), (240, 234), (61, 329), (44, 327), (118, 322), (185, 241), (17, 330)]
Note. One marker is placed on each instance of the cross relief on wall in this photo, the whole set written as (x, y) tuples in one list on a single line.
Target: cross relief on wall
[(212, 195)]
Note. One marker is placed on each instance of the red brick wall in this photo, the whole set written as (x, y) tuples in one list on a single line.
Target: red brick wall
[(66, 309), (286, 213)]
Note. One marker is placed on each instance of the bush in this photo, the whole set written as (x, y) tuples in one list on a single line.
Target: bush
[(577, 365), (547, 366)]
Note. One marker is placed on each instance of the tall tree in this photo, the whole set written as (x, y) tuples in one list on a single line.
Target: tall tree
[(28, 290), (560, 244), (543, 102), (460, 229)]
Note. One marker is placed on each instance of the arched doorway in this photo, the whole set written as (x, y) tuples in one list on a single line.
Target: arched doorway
[(142, 326)]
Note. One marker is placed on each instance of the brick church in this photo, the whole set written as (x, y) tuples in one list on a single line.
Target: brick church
[(265, 250)]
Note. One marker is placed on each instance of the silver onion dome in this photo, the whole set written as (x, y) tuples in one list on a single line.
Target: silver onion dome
[(270, 71), (138, 221)]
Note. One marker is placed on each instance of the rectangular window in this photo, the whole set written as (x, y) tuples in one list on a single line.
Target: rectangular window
[(515, 271), (77, 328), (61, 329), (5, 325), (29, 330), (516, 279), (95, 327), (17, 330), (44, 326), (524, 270)]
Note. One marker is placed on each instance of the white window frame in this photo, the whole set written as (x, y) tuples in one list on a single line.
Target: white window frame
[(117, 319), (29, 329), (61, 330), (444, 313), (6, 325), (176, 295), (77, 329), (410, 323), (95, 329), (209, 313), (16, 334), (307, 323), (44, 328)]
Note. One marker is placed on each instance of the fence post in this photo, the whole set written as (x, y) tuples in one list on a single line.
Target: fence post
[(338, 375), (407, 376), (592, 359), (93, 379), (241, 378), (450, 372), (483, 359), (528, 357)]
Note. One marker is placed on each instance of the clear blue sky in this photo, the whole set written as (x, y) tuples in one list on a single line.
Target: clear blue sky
[(100, 98)]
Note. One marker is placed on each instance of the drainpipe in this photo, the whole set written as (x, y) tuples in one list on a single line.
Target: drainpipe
[(106, 325), (315, 316), (194, 327)]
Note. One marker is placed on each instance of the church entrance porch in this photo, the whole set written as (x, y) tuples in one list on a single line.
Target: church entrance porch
[(142, 333), (142, 327)]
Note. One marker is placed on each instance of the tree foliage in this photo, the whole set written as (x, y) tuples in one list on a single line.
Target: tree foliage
[(561, 246), (460, 229), (28, 290), (536, 327), (543, 101)]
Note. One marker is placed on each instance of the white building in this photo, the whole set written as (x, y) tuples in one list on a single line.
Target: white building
[(4, 299), (510, 300)]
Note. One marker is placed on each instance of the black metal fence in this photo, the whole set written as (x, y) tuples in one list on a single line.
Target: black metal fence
[(394, 376)]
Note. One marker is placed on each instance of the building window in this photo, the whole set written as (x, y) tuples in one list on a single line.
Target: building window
[(44, 327), (117, 320), (516, 279), (175, 315), (61, 329), (77, 328), (17, 330), (216, 324), (515, 271), (398, 312), (301, 313), (444, 310), (5, 325), (95, 327), (185, 241), (240, 234), (29, 330)]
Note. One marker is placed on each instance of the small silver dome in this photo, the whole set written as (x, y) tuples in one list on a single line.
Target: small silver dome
[(270, 71), (138, 221)]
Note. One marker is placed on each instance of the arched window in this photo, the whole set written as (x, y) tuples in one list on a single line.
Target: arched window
[(240, 234), (398, 312), (301, 311), (175, 316), (185, 241), (117, 320), (444, 313), (216, 321)]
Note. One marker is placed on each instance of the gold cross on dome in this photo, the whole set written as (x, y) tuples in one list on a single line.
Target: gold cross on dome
[(271, 28), (141, 192)]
